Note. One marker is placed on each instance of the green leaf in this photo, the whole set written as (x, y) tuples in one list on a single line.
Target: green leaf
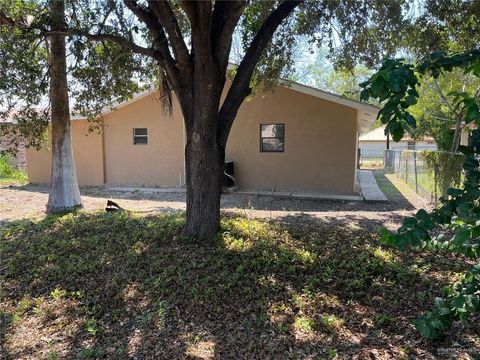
[(386, 237), (454, 192), (461, 237), (364, 95), (410, 222), (424, 328), (378, 87), (410, 100)]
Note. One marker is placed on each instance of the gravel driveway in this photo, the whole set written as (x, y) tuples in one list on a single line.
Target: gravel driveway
[(28, 201)]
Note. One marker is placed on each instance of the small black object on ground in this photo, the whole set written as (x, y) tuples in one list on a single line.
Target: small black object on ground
[(113, 206)]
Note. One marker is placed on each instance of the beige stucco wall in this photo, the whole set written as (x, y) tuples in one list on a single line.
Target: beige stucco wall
[(320, 144), (161, 161), (87, 151)]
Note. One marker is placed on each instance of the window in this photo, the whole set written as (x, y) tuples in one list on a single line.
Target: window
[(272, 137), (140, 136), (411, 145)]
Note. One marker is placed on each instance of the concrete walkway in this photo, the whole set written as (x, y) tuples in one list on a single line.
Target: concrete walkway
[(147, 190), (369, 188)]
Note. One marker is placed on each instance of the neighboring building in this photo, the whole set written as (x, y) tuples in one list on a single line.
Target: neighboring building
[(19, 161), (373, 143), (295, 139)]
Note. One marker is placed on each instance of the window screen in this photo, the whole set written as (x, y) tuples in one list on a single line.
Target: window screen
[(140, 136), (272, 137)]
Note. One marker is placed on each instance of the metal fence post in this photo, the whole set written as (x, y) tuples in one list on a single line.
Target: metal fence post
[(415, 169), (406, 169), (399, 162)]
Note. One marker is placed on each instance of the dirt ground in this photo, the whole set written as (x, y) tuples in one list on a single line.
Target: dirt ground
[(28, 201)]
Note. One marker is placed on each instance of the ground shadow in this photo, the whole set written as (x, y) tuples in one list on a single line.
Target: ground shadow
[(128, 286), (392, 193)]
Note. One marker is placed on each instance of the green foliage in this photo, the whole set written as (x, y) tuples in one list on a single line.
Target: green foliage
[(92, 326), (461, 300), (445, 167), (304, 323), (443, 25), (454, 227), (434, 110), (100, 75), (395, 84), (7, 171), (91, 353)]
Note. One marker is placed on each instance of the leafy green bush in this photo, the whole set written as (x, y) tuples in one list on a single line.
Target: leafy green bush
[(7, 171), (446, 168)]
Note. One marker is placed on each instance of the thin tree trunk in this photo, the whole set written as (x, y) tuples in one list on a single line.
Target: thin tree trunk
[(457, 134), (64, 192), (458, 117)]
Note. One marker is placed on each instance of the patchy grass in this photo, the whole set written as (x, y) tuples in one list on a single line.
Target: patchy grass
[(99, 285), (12, 181), (372, 163), (391, 191)]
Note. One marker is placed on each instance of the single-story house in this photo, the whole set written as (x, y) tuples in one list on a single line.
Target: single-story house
[(296, 138), (373, 143)]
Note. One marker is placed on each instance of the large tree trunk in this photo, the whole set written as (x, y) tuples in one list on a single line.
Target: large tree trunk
[(204, 156), (204, 166), (64, 192)]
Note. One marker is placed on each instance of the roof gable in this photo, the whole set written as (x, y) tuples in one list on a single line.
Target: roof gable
[(366, 113)]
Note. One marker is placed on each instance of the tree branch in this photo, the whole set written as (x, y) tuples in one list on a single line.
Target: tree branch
[(160, 43), (6, 20), (200, 21), (189, 8), (155, 28), (123, 42), (443, 97), (458, 118), (224, 20), (168, 20), (240, 87)]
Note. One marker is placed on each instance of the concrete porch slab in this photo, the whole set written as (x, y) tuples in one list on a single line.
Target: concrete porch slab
[(308, 195), (300, 195), (369, 188), (285, 194), (145, 189)]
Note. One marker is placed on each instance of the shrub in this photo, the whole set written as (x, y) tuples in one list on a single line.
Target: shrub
[(7, 171)]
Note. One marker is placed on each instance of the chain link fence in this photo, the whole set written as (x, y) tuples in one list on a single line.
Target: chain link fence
[(427, 179)]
